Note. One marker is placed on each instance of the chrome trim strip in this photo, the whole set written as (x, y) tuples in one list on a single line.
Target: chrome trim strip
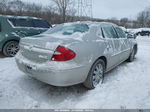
[(121, 52)]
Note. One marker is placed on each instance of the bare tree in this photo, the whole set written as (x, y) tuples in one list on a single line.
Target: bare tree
[(33, 9), (143, 18), (3, 5), (62, 6), (124, 22), (17, 6), (114, 20)]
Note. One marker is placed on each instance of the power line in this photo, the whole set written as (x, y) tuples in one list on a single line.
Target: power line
[(85, 8)]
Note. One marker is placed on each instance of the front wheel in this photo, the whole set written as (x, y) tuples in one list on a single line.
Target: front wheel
[(96, 74), (132, 55), (11, 48)]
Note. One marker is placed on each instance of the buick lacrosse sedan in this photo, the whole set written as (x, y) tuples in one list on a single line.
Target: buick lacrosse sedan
[(74, 53)]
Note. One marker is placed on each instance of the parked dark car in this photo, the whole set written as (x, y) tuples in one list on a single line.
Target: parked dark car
[(131, 34), (12, 28), (143, 33)]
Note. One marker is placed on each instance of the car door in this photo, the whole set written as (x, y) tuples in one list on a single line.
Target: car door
[(112, 45), (124, 44)]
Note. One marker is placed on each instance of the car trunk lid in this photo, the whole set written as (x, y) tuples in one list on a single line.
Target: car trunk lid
[(37, 49), (43, 46)]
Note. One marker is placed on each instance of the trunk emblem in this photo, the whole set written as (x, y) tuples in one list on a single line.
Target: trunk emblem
[(43, 57)]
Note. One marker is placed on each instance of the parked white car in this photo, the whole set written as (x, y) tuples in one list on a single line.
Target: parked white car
[(73, 53)]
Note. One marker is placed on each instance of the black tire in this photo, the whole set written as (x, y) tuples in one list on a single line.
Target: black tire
[(132, 55), (11, 48), (90, 82)]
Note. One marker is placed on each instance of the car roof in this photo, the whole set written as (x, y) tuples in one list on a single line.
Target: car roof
[(19, 17), (91, 23)]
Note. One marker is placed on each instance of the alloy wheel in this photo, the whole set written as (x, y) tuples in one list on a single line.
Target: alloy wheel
[(98, 74), (12, 49)]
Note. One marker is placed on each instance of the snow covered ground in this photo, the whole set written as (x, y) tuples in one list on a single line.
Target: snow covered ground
[(127, 86)]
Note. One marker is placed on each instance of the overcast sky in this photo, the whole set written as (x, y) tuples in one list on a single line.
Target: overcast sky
[(112, 8)]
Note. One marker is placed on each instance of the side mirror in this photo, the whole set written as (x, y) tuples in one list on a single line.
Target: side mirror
[(131, 36)]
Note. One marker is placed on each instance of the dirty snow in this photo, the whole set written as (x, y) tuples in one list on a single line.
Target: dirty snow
[(127, 86)]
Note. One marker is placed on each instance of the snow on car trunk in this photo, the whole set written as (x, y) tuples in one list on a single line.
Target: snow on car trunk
[(38, 49), (41, 41)]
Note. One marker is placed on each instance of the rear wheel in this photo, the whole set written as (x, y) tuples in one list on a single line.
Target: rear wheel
[(96, 75), (11, 48)]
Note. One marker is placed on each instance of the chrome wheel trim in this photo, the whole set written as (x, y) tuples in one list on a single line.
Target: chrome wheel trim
[(12, 49), (98, 74)]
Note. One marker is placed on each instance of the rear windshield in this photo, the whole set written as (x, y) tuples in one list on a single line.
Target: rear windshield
[(29, 23), (69, 29)]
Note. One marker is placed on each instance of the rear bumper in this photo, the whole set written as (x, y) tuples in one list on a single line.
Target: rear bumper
[(58, 74)]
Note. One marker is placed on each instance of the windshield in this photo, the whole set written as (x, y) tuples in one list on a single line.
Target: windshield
[(69, 29)]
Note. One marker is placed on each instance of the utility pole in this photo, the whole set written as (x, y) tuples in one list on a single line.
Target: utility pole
[(85, 8)]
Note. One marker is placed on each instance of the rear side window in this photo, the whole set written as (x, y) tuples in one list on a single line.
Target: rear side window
[(41, 24), (120, 33), (21, 22), (109, 32)]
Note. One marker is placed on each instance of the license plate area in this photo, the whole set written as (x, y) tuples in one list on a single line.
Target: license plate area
[(29, 68)]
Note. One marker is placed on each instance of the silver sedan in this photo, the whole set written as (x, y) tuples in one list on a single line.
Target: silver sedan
[(73, 53)]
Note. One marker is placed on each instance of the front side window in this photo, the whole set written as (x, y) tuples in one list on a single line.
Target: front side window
[(120, 33), (69, 29), (109, 32)]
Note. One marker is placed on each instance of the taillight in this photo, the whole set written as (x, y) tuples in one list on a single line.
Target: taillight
[(63, 54)]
